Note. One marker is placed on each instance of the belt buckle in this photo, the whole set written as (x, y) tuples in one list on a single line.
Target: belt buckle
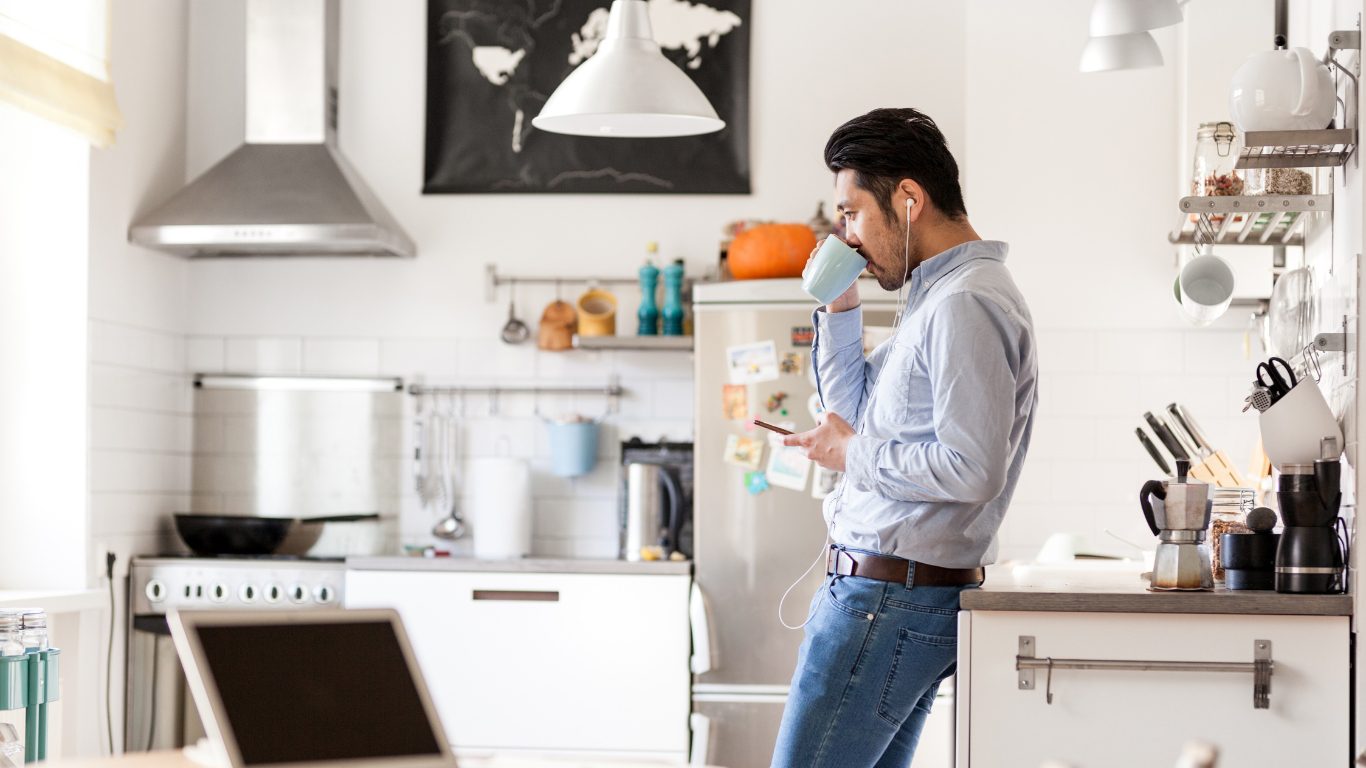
[(853, 564)]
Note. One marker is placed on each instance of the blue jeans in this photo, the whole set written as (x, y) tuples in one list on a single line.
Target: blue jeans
[(867, 672)]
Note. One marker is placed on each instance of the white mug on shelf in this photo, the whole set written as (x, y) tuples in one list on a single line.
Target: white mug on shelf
[(1205, 288)]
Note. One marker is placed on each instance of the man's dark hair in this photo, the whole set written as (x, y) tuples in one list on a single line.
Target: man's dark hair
[(888, 145)]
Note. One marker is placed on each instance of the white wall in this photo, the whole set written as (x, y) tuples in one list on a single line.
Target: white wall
[(429, 316), (139, 393), (42, 346), (1079, 173)]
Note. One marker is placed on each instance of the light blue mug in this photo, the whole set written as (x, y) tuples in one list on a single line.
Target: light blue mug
[(573, 447), (832, 270)]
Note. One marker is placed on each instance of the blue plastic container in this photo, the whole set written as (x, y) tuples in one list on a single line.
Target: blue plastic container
[(573, 447)]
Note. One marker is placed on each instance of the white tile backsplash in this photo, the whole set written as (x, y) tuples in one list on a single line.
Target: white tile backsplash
[(341, 357), (205, 354), (264, 355)]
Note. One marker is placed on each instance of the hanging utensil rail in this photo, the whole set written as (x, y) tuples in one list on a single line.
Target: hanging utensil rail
[(613, 389), (493, 281)]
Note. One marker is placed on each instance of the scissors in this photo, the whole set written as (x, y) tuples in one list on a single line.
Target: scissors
[(1278, 385)]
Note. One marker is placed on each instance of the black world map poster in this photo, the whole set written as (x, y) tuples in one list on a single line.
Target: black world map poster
[(491, 65)]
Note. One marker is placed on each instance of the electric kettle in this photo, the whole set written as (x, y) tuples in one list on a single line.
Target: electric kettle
[(1282, 90), (653, 512)]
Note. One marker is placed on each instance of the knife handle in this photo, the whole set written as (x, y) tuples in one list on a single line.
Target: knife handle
[(1168, 440), (1153, 451)]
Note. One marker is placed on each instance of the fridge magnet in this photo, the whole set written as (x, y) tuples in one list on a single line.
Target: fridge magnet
[(788, 467), (803, 335), (823, 482), (792, 362), (747, 452), (775, 402), (756, 483), (752, 363), (815, 407), (735, 401)]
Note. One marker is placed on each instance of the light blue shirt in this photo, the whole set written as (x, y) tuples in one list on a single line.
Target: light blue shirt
[(943, 411)]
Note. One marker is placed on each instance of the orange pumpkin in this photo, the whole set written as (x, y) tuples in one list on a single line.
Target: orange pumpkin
[(770, 250)]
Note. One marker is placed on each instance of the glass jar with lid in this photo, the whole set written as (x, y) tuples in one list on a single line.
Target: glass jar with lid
[(11, 633), (1216, 153), (34, 629), (1228, 514)]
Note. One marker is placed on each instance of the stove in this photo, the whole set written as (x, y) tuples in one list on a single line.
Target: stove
[(160, 710), (158, 585)]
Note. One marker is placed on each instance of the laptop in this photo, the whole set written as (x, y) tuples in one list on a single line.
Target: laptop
[(299, 689)]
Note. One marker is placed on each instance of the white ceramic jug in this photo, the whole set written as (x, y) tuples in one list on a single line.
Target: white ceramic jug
[(1282, 90)]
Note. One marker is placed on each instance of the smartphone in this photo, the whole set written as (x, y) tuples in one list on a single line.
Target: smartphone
[(766, 425)]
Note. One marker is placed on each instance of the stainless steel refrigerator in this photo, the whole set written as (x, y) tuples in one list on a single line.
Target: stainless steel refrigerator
[(749, 547)]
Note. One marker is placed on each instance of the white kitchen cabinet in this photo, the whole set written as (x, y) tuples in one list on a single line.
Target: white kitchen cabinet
[(547, 661), (1115, 718)]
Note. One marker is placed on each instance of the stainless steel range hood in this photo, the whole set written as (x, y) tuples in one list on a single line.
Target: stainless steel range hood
[(287, 191)]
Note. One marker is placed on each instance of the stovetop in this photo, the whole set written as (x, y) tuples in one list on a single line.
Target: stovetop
[(159, 584)]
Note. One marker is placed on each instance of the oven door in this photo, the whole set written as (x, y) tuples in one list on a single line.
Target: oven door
[(160, 712)]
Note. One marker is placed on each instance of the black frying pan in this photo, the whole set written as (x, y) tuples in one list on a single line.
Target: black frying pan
[(246, 535), (231, 534)]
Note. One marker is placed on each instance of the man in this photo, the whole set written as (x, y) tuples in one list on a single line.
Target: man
[(944, 411)]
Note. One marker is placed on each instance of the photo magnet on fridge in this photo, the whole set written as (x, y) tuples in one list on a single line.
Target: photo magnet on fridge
[(752, 363), (747, 452), (792, 362), (823, 482), (735, 401), (788, 467)]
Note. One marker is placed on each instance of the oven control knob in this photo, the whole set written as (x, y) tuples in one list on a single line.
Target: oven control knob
[(273, 593), (298, 593), (155, 591), (219, 593), (324, 594), (247, 593)]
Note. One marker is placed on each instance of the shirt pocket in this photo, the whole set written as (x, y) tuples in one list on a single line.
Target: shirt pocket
[(901, 383)]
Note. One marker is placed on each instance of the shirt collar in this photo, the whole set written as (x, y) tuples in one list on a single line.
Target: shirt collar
[(935, 267)]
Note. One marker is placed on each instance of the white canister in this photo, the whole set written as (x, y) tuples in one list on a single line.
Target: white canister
[(499, 499)]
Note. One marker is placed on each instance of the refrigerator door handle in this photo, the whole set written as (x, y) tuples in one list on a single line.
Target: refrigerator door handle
[(702, 661), (701, 738)]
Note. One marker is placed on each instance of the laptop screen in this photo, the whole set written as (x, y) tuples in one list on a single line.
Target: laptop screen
[(297, 692)]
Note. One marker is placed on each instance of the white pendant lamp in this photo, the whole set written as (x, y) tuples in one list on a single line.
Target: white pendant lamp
[(1127, 17), (627, 88), (1133, 51)]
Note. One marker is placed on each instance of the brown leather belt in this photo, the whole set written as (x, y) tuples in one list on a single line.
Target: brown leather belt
[(847, 562)]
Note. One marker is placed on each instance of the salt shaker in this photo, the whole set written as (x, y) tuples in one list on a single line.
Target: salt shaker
[(11, 625)]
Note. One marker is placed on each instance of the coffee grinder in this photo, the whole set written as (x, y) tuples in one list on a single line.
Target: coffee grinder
[(1311, 556), (1178, 512)]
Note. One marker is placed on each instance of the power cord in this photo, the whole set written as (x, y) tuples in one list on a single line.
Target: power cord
[(109, 559)]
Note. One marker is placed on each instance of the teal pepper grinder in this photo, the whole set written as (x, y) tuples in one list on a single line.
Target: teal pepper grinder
[(649, 313), (673, 299)]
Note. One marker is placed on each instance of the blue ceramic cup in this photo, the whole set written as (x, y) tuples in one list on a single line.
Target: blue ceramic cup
[(832, 270), (573, 447)]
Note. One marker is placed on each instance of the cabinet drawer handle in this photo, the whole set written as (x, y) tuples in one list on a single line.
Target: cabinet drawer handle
[(517, 595), (1260, 668)]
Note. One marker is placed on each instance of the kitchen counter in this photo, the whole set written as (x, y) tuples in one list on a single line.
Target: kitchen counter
[(1112, 598), (525, 565)]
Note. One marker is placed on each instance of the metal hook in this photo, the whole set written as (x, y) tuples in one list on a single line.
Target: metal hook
[(1048, 682), (1311, 362)]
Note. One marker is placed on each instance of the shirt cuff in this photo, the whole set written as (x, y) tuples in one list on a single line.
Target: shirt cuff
[(840, 329), (860, 461)]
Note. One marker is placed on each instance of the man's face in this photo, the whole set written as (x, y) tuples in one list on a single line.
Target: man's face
[(868, 230)]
